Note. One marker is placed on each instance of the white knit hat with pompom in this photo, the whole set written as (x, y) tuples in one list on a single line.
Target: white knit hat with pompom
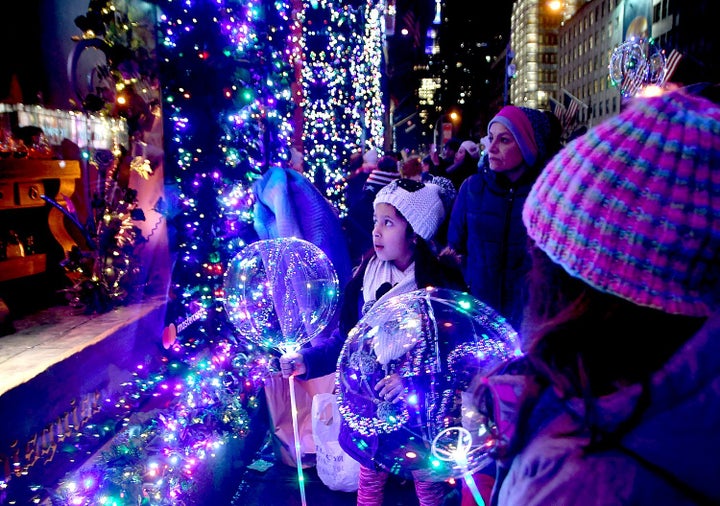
[(419, 203)]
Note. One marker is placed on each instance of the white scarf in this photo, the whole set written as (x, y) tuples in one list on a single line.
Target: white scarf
[(388, 345), (379, 272)]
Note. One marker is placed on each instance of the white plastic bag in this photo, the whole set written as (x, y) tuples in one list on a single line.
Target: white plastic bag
[(336, 469)]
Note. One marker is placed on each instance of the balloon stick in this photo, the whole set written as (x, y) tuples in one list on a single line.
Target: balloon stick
[(457, 453), (296, 434), (470, 482)]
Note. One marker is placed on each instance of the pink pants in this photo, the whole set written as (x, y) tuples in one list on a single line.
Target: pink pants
[(372, 483)]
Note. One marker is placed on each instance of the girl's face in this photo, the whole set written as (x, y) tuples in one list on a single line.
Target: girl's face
[(390, 237), (504, 154)]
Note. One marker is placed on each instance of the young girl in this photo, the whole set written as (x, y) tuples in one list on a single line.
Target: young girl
[(407, 215)]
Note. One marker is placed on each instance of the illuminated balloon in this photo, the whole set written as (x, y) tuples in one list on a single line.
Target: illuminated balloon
[(635, 64), (437, 340), (280, 293)]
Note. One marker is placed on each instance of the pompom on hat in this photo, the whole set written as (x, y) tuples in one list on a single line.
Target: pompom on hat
[(419, 203), (633, 207)]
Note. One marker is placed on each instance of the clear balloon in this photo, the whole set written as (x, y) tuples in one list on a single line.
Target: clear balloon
[(437, 340), (280, 293), (635, 64)]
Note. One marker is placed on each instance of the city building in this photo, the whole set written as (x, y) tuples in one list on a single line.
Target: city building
[(588, 38), (534, 29), (459, 90), (586, 42)]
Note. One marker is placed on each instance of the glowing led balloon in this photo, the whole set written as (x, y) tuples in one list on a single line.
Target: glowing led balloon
[(635, 64), (280, 293), (437, 340)]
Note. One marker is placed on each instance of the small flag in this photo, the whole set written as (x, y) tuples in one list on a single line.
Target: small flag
[(671, 64), (412, 25), (571, 109), (557, 109), (632, 83)]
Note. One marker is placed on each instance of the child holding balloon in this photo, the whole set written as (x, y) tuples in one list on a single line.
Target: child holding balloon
[(407, 215)]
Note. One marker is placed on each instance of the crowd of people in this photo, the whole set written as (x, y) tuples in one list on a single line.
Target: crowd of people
[(604, 254)]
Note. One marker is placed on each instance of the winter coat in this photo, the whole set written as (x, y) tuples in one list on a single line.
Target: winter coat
[(486, 228), (653, 445)]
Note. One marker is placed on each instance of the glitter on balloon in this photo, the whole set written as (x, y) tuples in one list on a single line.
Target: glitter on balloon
[(437, 341), (636, 64)]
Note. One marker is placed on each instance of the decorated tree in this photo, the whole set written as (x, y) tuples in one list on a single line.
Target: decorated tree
[(245, 87)]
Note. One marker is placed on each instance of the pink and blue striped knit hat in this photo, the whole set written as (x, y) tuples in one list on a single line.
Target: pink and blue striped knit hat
[(633, 207)]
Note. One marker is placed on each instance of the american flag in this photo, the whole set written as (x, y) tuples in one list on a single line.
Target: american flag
[(671, 64), (572, 107), (557, 109), (633, 82), (571, 112), (412, 25)]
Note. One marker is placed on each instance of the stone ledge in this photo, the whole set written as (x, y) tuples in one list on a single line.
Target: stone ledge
[(57, 369)]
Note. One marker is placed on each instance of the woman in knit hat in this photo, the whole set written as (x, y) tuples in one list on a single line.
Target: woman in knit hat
[(465, 163), (619, 392), (407, 214), (485, 225)]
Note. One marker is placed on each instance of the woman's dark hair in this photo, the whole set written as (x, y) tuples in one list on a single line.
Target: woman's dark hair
[(589, 343)]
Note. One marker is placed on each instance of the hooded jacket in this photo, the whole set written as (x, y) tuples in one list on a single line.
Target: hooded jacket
[(658, 444), (486, 229)]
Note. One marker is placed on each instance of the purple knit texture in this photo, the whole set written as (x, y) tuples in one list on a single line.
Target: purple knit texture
[(633, 207), (518, 123)]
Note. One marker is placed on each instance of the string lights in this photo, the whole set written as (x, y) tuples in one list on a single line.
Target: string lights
[(242, 83)]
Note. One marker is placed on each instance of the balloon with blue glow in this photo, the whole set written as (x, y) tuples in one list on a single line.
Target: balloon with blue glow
[(437, 341), (280, 293), (635, 64)]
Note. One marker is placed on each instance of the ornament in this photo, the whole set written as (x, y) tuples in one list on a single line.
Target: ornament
[(437, 341)]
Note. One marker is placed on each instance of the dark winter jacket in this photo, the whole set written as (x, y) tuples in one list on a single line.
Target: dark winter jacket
[(486, 228), (644, 444)]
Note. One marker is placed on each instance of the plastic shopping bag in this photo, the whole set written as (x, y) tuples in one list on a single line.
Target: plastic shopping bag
[(336, 469)]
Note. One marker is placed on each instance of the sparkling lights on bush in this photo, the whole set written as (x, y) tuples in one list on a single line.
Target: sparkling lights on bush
[(341, 98), (243, 82)]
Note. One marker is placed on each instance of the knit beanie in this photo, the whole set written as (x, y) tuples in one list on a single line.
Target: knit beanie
[(447, 191), (471, 149), (529, 127), (419, 203), (633, 207), (385, 172)]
